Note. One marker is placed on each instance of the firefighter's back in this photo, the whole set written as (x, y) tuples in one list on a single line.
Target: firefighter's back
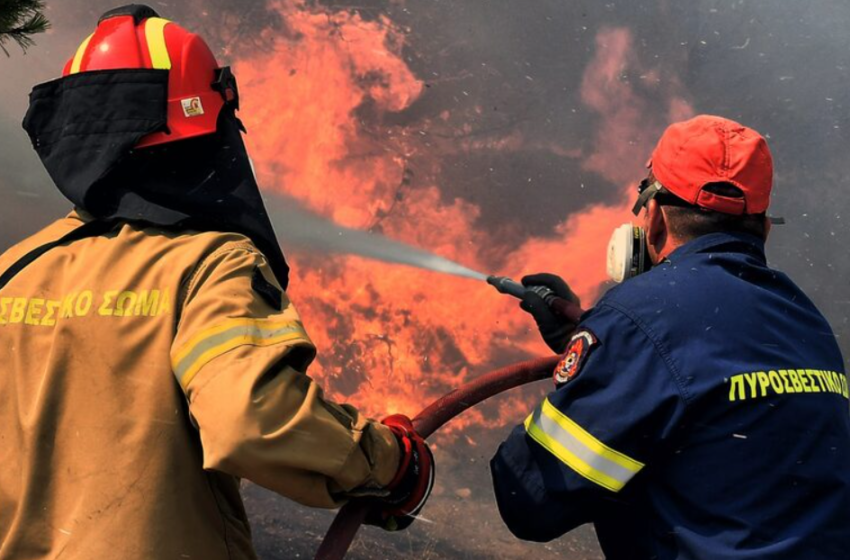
[(757, 466), (99, 457)]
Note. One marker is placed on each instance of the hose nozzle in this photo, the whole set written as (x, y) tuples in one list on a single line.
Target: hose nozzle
[(507, 286), (511, 287), (559, 305)]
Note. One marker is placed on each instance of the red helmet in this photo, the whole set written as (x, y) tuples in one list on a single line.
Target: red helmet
[(135, 36)]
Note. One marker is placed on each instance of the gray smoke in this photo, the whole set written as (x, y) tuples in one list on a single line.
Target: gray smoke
[(504, 68)]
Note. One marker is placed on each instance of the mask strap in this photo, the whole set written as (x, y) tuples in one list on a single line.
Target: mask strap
[(645, 196)]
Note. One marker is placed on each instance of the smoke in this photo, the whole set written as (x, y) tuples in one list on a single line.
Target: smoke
[(505, 136), (230, 28)]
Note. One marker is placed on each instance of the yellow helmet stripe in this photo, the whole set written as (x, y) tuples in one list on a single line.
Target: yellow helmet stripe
[(78, 58), (155, 36)]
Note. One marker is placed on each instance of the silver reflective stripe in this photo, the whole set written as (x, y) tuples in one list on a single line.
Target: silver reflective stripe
[(591, 458), (252, 331)]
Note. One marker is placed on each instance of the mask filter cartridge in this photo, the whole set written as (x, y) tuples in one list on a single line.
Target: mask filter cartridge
[(627, 253)]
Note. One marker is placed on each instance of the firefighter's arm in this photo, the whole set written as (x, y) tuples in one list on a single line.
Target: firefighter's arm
[(240, 355), (573, 459)]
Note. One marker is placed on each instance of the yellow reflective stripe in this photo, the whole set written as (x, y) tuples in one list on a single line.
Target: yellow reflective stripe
[(579, 450), (181, 354), (576, 464), (78, 58), (217, 351), (229, 335), (588, 440), (155, 36)]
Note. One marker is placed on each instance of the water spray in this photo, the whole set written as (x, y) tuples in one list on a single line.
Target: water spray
[(302, 229), (305, 230), (299, 228)]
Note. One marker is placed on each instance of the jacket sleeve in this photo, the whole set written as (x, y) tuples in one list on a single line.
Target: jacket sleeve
[(240, 354), (572, 460)]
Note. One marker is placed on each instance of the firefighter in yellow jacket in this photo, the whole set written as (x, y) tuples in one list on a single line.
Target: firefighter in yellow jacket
[(151, 357)]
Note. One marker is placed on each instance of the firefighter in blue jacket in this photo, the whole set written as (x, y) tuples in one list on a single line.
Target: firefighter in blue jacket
[(701, 407)]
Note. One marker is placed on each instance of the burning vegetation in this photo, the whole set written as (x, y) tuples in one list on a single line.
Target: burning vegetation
[(508, 139), (327, 109)]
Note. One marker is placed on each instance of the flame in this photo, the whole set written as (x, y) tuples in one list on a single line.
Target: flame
[(304, 96), (390, 338)]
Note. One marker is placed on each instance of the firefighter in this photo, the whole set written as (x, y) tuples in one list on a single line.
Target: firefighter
[(700, 409), (151, 357)]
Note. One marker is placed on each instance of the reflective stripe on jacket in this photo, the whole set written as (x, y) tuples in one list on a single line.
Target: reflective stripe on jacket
[(706, 417), (143, 372)]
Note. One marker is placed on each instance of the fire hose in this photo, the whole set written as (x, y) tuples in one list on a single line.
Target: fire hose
[(344, 528)]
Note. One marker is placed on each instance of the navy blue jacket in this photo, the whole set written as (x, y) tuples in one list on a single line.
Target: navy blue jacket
[(704, 415)]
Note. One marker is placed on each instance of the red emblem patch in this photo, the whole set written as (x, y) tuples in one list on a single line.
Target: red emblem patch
[(577, 350)]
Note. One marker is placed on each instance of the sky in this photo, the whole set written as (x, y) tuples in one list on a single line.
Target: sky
[(505, 135)]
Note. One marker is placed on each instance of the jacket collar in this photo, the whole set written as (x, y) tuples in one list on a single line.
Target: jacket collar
[(722, 243)]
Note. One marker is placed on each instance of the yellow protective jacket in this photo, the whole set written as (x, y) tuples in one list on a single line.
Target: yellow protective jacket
[(143, 372)]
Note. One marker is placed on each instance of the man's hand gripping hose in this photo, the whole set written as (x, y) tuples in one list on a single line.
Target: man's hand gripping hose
[(412, 485), (347, 522)]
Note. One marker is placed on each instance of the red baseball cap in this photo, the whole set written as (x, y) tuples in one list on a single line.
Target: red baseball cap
[(709, 149)]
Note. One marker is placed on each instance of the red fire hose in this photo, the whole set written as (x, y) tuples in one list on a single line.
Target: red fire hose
[(351, 516), (347, 522)]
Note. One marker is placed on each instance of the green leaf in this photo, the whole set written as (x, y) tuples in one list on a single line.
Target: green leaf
[(19, 21)]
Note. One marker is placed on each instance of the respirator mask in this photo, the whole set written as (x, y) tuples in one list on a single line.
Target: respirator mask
[(628, 255)]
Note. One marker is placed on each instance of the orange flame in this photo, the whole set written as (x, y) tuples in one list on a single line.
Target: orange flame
[(392, 338)]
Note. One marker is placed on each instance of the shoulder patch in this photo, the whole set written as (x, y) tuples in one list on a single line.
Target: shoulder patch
[(268, 291), (577, 351)]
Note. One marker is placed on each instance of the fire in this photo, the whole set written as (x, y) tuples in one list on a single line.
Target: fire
[(622, 143), (310, 143), (392, 338)]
